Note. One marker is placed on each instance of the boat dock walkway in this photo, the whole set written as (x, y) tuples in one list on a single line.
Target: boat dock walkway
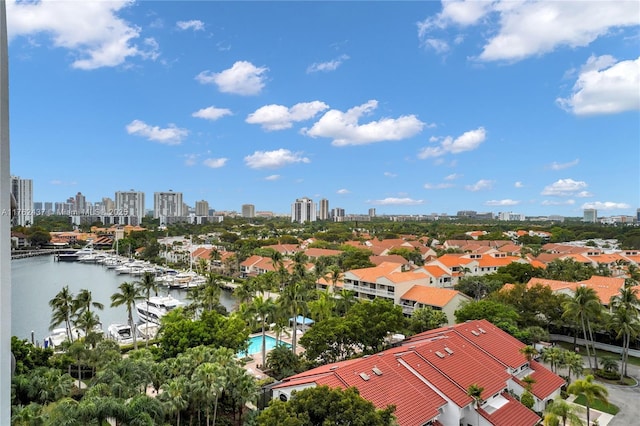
[(22, 254)]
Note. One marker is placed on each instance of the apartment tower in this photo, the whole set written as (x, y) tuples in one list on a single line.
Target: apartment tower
[(324, 210), (167, 204), (22, 190), (130, 203), (303, 210), (248, 210)]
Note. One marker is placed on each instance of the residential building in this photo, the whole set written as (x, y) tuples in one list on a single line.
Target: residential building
[(80, 204), (248, 210), (510, 216), (337, 214), (202, 208), (303, 210), (372, 212), (167, 205), (22, 191), (130, 203), (324, 210), (590, 215), (427, 378)]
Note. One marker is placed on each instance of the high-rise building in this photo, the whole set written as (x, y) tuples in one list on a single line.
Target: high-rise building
[(303, 210), (108, 205), (590, 215), (80, 204), (129, 203), (372, 212), (167, 204), (22, 190), (248, 210), (638, 215), (202, 208), (324, 209), (337, 214)]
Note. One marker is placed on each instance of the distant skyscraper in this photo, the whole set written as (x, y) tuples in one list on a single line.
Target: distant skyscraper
[(590, 215), (324, 209), (48, 207), (22, 190), (167, 204), (337, 214), (108, 206), (248, 210), (372, 212), (202, 208), (80, 204), (638, 215), (303, 210), (130, 203)]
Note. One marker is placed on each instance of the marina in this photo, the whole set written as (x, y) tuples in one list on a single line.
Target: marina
[(36, 280)]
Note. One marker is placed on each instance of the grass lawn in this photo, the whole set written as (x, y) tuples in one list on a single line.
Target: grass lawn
[(598, 405)]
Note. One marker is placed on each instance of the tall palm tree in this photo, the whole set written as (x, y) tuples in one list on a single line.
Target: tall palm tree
[(127, 296), (574, 363), (208, 385), (475, 392), (211, 292), (584, 306), (529, 352), (559, 409), (145, 286), (590, 390), (82, 305), (175, 396), (63, 310), (293, 300), (627, 324), (263, 308)]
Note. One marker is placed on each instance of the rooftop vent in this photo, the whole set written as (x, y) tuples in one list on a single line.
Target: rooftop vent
[(448, 350), (335, 367), (440, 354), (377, 371), (475, 333), (481, 330), (364, 376)]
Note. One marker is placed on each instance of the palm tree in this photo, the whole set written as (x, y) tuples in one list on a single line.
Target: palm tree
[(211, 292), (559, 409), (529, 352), (553, 356), (208, 384), (293, 300), (475, 392), (574, 363), (83, 304), (175, 396), (334, 275), (144, 286), (591, 392), (263, 308), (63, 310), (584, 306), (127, 296), (625, 319)]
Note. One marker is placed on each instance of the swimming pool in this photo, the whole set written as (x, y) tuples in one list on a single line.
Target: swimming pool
[(255, 345)]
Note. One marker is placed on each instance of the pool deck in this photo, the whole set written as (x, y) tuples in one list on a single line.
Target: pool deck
[(256, 359)]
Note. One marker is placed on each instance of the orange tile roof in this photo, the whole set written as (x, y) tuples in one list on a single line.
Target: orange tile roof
[(317, 252), (432, 296), (511, 414), (605, 287)]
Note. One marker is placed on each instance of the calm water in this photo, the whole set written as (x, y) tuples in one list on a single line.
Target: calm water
[(36, 280)]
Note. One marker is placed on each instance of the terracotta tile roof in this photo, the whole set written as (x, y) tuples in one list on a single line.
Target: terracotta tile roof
[(496, 262), (317, 252), (435, 270), (452, 259), (433, 296), (546, 382), (392, 258), (512, 413), (605, 287)]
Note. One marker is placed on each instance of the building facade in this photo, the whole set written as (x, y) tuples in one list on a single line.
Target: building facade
[(167, 205), (130, 203), (248, 210), (324, 210), (303, 210), (202, 208), (22, 190), (590, 215)]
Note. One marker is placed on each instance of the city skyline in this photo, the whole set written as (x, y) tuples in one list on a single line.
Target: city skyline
[(406, 108)]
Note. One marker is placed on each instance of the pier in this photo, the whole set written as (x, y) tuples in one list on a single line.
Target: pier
[(22, 254)]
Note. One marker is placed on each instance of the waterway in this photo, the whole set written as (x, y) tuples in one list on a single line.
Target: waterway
[(36, 280)]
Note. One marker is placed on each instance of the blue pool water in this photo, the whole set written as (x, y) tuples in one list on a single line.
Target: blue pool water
[(255, 345)]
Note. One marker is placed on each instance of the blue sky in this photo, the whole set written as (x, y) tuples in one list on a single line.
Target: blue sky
[(408, 107)]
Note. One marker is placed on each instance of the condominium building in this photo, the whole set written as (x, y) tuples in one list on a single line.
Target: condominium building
[(248, 210), (372, 212), (167, 204), (22, 190), (324, 213), (337, 214), (202, 208), (130, 203), (303, 210)]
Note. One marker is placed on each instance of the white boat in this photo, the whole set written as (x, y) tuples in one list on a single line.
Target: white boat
[(148, 329), (156, 307), (67, 256), (121, 333)]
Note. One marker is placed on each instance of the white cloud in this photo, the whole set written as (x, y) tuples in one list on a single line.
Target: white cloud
[(273, 159), (391, 201), (440, 46), (212, 113), (91, 30), (558, 202), (389, 174), (170, 135), (505, 202), (564, 188), (605, 87), (518, 185), (190, 159), (278, 117), (468, 141), (344, 129), (521, 29), (194, 24), (480, 185), (453, 176), (562, 166), (342, 191), (584, 194), (272, 177), (243, 78), (438, 186), (605, 205), (215, 163), (327, 66)]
